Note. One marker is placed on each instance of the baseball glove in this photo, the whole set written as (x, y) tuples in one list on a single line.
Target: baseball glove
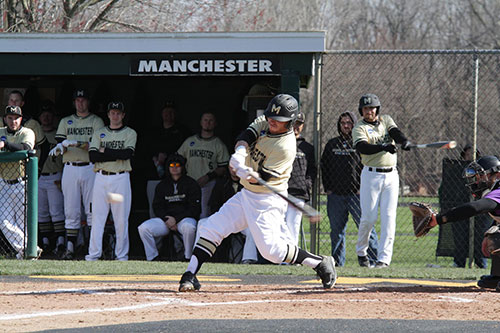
[(423, 218), (491, 241)]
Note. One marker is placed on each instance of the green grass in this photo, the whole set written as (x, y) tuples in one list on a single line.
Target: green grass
[(54, 267)]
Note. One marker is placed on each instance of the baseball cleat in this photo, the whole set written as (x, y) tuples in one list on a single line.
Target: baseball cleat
[(189, 282), (326, 272), (488, 281), (363, 261)]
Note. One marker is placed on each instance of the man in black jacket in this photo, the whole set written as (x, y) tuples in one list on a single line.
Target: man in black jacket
[(340, 168), (177, 206)]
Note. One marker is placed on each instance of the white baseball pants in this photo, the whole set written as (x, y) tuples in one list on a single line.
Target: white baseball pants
[(12, 215), (103, 185), (50, 199), (153, 230), (378, 189), (77, 183), (293, 220)]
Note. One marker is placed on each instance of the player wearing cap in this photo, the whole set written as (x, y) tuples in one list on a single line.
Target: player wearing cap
[(266, 147), (50, 197), (177, 206), (74, 134), (111, 149), (207, 157), (14, 137)]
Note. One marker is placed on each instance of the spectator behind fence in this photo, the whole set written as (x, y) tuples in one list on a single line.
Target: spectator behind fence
[(14, 137), (177, 206), (340, 171), (50, 197), (454, 192)]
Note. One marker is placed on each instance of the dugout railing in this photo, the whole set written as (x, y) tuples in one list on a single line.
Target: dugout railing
[(19, 205), (432, 96)]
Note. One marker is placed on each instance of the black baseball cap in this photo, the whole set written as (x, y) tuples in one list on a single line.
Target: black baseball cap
[(116, 106), (81, 93), (15, 110)]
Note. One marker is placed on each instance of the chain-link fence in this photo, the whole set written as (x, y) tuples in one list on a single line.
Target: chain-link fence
[(432, 96), (18, 206)]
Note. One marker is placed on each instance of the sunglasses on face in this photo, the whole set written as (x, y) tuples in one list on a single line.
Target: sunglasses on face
[(174, 165)]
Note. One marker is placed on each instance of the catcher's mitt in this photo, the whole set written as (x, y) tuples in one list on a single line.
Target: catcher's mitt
[(424, 218), (491, 241)]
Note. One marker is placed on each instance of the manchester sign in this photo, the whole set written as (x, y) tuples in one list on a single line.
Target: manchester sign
[(206, 66)]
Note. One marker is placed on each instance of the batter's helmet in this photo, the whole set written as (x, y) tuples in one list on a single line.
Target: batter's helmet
[(368, 100), (476, 173), (282, 107)]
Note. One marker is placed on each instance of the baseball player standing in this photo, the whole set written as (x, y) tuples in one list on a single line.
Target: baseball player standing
[(373, 137), (14, 137), (74, 134), (266, 147), (207, 157), (50, 197), (110, 150)]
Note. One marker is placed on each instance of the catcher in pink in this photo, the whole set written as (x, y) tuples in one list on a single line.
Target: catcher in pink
[(483, 179)]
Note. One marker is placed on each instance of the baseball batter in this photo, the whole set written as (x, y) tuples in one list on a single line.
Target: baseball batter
[(14, 137), (111, 149), (373, 137), (74, 134), (207, 157), (267, 147), (50, 197)]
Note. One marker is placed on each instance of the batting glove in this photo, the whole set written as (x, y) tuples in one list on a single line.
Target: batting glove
[(237, 160), (406, 145), (57, 150), (67, 143), (244, 172)]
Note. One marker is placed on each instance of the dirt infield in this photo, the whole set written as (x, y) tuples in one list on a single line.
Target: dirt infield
[(31, 304)]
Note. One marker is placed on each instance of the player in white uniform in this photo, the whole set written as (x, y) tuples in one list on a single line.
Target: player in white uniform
[(14, 137), (74, 134), (50, 197), (373, 137), (207, 157), (111, 149), (267, 147)]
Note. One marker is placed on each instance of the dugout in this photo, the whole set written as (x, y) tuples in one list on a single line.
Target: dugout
[(230, 74)]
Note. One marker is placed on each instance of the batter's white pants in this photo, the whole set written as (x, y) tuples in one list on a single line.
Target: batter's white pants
[(77, 183), (249, 249), (103, 185), (206, 192), (12, 215), (293, 220), (50, 199), (262, 213), (378, 189), (153, 230)]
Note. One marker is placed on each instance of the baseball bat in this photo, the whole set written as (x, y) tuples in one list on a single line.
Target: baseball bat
[(438, 145), (313, 215)]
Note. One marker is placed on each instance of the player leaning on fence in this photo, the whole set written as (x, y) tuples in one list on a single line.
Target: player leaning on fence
[(14, 137)]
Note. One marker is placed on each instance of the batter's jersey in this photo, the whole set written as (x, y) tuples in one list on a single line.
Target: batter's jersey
[(15, 170), (375, 134), (52, 163), (203, 155), (272, 153), (122, 138), (80, 129)]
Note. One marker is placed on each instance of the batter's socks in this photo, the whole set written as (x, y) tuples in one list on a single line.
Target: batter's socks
[(304, 257), (203, 250)]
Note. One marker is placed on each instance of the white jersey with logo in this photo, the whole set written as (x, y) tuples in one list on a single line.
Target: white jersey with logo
[(122, 138)]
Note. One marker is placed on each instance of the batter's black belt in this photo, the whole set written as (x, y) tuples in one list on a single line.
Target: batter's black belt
[(48, 173), (78, 163), (111, 173), (380, 169), (12, 181)]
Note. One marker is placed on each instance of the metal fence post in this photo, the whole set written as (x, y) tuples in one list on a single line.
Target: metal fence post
[(32, 208)]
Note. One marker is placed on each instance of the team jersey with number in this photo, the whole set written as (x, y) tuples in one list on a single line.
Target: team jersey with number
[(271, 153), (203, 155), (15, 170), (80, 129), (122, 138), (375, 134), (52, 163)]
